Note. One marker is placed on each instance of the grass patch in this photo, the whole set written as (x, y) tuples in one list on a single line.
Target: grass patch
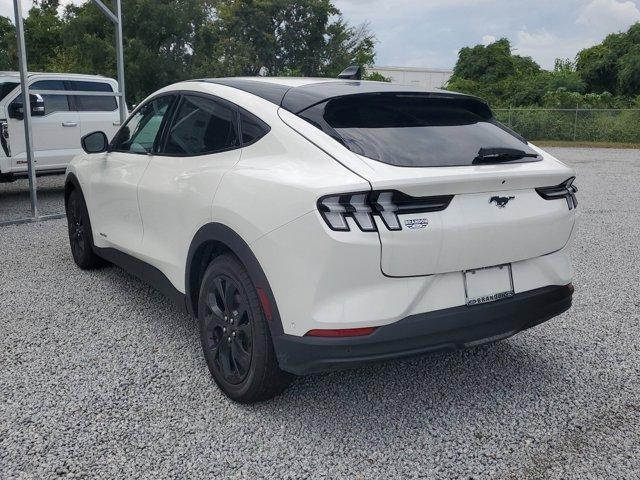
[(581, 144)]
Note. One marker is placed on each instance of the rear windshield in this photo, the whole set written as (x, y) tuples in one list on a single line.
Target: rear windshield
[(412, 130)]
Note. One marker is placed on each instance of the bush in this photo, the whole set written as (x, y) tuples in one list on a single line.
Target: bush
[(589, 126)]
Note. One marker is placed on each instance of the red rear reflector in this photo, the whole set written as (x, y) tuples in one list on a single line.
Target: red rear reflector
[(266, 306), (343, 332)]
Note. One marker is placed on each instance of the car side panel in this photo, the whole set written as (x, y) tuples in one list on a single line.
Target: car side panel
[(278, 179), (175, 197)]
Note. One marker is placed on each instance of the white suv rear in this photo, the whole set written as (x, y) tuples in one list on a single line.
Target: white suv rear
[(312, 224)]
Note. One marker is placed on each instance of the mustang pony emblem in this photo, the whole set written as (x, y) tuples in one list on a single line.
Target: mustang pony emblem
[(501, 202)]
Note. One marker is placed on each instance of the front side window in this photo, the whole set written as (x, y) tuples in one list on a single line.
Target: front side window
[(139, 134), (6, 88), (52, 103), (202, 125)]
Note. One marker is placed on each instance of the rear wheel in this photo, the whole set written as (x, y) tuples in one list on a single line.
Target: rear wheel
[(235, 336), (80, 234)]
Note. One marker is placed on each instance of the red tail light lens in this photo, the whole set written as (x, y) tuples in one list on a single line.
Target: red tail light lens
[(343, 332)]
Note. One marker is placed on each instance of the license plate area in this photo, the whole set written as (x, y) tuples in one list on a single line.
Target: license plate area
[(484, 285)]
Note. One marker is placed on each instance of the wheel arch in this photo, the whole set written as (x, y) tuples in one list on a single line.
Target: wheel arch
[(71, 183), (214, 239)]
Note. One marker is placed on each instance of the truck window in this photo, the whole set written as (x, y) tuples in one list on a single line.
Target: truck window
[(93, 103), (52, 103), (6, 88)]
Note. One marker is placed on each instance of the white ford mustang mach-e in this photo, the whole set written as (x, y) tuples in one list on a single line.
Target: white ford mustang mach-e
[(311, 224)]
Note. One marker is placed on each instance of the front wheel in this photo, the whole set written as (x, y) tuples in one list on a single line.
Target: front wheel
[(235, 336), (80, 234)]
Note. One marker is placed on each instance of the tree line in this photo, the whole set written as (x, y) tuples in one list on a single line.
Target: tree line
[(603, 76), (166, 41)]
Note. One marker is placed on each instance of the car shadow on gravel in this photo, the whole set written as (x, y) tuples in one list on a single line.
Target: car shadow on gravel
[(450, 389), (447, 387)]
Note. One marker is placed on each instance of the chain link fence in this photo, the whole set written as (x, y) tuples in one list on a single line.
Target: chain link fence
[(577, 124)]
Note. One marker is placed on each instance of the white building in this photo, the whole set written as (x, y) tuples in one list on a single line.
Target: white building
[(424, 77)]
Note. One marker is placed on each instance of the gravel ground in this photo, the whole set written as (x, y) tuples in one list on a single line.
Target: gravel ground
[(15, 203), (102, 378)]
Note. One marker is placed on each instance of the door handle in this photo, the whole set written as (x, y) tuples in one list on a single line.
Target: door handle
[(116, 124), (69, 124)]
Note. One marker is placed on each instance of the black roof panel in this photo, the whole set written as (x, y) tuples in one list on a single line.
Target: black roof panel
[(297, 99), (273, 92)]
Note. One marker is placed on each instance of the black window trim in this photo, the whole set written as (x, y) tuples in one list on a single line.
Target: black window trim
[(168, 113)]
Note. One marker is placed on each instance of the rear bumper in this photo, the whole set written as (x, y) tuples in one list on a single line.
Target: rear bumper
[(448, 329)]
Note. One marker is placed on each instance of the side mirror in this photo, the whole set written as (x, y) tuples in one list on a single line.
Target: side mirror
[(16, 108), (37, 105), (95, 142)]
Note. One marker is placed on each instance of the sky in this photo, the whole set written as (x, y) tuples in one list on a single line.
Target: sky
[(429, 33)]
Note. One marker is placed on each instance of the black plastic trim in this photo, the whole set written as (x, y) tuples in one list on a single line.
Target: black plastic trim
[(217, 233), (145, 272), (448, 329)]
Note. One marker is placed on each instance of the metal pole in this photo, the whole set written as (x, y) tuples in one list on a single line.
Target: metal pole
[(575, 125), (26, 107), (510, 124), (120, 61)]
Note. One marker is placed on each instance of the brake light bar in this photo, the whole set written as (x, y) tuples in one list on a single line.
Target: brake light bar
[(566, 190), (364, 206)]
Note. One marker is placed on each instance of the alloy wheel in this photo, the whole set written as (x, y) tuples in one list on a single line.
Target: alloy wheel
[(228, 328)]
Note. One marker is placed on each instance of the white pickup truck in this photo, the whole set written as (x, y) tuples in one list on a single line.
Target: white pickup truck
[(68, 107)]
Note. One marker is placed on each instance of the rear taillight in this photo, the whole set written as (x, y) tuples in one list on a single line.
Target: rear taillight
[(341, 332), (362, 207), (566, 190)]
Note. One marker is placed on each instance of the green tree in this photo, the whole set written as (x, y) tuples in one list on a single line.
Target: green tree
[(612, 65), (8, 54), (43, 33), (280, 37), (170, 40), (629, 72)]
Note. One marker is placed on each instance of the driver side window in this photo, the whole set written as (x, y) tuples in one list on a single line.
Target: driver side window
[(139, 134)]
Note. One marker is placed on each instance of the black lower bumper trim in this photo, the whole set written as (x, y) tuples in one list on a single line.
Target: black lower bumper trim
[(449, 329)]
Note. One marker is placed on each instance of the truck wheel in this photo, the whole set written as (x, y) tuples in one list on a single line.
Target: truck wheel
[(235, 335), (80, 234)]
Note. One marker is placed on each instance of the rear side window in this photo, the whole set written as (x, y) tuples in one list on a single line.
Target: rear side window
[(253, 129), (202, 125), (85, 86), (411, 130), (92, 103)]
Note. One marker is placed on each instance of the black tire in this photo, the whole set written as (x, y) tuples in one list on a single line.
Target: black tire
[(80, 233), (235, 335)]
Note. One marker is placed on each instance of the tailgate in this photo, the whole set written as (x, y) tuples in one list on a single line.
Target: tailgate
[(476, 231)]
